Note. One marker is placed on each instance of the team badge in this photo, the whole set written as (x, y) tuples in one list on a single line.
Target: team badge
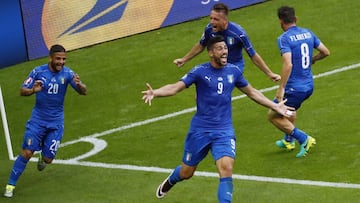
[(230, 78), (29, 142), (230, 40), (188, 156)]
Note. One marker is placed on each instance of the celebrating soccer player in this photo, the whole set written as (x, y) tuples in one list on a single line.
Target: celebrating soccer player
[(44, 129), (211, 128), (296, 46)]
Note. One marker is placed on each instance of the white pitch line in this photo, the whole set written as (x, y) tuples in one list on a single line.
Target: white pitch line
[(152, 120), (75, 161), (210, 174)]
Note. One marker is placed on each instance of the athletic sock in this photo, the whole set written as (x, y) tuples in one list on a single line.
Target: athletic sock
[(288, 138), (172, 180), (175, 176), (18, 168), (299, 135), (225, 190)]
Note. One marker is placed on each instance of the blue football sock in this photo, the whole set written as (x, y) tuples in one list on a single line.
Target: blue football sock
[(288, 138), (299, 135), (18, 168), (175, 176), (225, 190)]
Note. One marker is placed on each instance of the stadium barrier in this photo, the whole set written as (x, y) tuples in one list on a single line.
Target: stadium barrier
[(77, 24)]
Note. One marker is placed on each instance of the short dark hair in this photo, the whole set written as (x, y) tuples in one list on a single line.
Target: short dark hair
[(214, 40), (287, 14), (56, 48), (220, 7)]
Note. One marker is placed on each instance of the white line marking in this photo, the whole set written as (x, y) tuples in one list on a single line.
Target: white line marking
[(100, 145), (152, 120), (210, 174)]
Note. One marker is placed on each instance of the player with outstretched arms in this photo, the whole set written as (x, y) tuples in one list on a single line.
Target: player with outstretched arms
[(211, 128)]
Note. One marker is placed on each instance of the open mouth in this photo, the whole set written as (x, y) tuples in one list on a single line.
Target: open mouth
[(58, 67), (223, 59), (214, 28)]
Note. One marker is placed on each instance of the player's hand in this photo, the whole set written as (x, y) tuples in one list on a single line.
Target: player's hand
[(179, 62), (275, 77), (148, 94), (38, 85), (284, 110), (76, 79), (81, 87)]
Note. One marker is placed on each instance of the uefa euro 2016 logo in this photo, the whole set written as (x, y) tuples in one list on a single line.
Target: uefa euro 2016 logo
[(77, 24)]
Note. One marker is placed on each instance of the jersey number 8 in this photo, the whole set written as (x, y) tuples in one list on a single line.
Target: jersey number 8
[(305, 56)]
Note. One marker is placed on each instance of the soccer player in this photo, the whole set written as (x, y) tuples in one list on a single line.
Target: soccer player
[(211, 128), (44, 130), (236, 40), (296, 46)]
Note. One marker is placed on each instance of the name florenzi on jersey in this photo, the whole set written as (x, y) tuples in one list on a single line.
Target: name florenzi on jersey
[(301, 36)]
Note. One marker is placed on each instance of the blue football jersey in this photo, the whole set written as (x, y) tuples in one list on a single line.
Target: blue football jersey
[(214, 88), (49, 104), (301, 43), (235, 38)]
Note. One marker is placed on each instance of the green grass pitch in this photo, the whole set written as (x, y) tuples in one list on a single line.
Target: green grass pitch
[(116, 73)]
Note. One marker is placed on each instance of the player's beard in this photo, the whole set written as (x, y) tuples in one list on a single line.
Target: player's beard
[(57, 66), (221, 61)]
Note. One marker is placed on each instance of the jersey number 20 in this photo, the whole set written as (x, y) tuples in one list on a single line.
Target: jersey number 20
[(53, 88)]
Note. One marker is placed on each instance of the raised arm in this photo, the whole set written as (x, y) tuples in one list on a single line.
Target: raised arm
[(164, 91), (260, 63), (81, 87), (260, 98), (197, 49), (37, 87)]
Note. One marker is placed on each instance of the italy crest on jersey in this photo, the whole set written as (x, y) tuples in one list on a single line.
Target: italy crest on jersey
[(230, 40), (188, 156), (230, 78), (29, 142)]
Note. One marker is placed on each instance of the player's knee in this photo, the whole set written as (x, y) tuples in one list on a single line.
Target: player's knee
[(226, 169), (225, 166), (48, 160), (27, 154)]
